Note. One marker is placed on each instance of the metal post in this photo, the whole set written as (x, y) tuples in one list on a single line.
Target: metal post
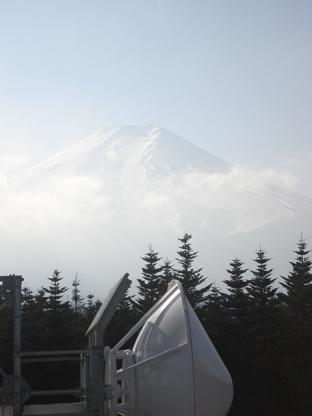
[(100, 372), (96, 372), (17, 345)]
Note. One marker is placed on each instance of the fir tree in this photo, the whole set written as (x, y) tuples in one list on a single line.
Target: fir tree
[(235, 305), (235, 301), (191, 278), (76, 298), (212, 316), (77, 302), (28, 298), (35, 321), (90, 308), (28, 309), (260, 288), (298, 283), (41, 300), (166, 276), (236, 298), (59, 315), (263, 311), (149, 285), (55, 291), (297, 334)]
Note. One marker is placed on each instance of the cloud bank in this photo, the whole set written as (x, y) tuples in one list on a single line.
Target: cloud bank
[(87, 222)]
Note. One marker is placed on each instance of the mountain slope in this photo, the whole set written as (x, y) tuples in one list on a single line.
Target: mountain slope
[(125, 152)]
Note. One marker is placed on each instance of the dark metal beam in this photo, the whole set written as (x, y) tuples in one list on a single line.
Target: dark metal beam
[(51, 353), (56, 392), (48, 359)]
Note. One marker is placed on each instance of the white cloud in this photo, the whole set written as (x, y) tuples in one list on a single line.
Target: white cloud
[(240, 200), (12, 164), (88, 222)]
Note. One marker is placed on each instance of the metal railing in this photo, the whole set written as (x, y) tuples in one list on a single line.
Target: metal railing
[(55, 356)]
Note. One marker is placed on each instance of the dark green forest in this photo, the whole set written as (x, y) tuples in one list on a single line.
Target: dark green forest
[(260, 323)]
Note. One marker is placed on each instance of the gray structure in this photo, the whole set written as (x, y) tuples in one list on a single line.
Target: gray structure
[(93, 369), (15, 391), (172, 369), (10, 292)]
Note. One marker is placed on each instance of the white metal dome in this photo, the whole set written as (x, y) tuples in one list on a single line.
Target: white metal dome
[(174, 368)]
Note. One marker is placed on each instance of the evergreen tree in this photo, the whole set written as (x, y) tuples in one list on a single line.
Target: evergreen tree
[(38, 318), (263, 311), (90, 308), (297, 334), (212, 316), (27, 298), (191, 278), (41, 300), (236, 298), (298, 283), (78, 332), (260, 289), (28, 308), (166, 276), (235, 303), (55, 292), (149, 285), (59, 316), (77, 299)]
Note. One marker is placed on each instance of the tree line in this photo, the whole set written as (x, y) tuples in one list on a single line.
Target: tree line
[(260, 325)]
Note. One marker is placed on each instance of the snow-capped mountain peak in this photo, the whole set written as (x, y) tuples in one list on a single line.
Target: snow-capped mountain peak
[(155, 150)]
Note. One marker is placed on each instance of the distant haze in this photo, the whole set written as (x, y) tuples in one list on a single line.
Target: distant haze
[(96, 206)]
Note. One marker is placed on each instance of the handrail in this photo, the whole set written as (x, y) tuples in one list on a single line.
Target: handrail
[(50, 353), (58, 392)]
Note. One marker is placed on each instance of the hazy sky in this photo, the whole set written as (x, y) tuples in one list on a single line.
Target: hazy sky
[(232, 76)]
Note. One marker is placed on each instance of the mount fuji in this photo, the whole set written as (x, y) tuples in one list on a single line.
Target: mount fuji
[(119, 189), (153, 168)]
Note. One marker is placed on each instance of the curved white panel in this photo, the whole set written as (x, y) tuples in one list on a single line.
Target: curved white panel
[(165, 329), (213, 389), (164, 384), (178, 372)]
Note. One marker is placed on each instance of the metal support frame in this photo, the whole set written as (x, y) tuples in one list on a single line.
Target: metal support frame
[(55, 356), (17, 345), (55, 353), (11, 287), (92, 362), (95, 374), (60, 392), (11, 291), (95, 366), (119, 384)]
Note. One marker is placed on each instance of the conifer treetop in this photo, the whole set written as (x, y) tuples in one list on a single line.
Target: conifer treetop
[(149, 284), (55, 291), (191, 278), (260, 288), (298, 283), (235, 300)]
